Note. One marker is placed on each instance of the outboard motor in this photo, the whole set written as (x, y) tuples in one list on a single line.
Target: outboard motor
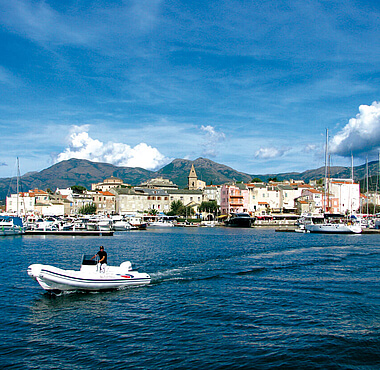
[(126, 266)]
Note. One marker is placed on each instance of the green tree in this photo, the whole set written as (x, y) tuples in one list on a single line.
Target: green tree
[(274, 179), (210, 206), (88, 209), (176, 208), (256, 179), (78, 189)]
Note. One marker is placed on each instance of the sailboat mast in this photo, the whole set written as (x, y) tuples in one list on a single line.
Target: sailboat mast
[(17, 184), (367, 185), (326, 166)]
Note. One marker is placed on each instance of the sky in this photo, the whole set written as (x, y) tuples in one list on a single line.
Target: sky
[(250, 84)]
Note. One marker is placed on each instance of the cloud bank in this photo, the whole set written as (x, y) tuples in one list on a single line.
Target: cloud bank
[(82, 146), (361, 136)]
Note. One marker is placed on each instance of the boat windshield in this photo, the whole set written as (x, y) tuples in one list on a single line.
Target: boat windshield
[(86, 260)]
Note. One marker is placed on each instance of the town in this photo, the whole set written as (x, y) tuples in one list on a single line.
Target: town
[(286, 200)]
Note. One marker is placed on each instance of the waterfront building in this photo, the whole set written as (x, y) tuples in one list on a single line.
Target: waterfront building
[(345, 196), (313, 198), (133, 200), (80, 201), (104, 201), (263, 198), (23, 203), (288, 194), (234, 198), (52, 208), (189, 198), (212, 193)]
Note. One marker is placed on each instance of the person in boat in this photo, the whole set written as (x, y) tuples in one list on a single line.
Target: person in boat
[(102, 258)]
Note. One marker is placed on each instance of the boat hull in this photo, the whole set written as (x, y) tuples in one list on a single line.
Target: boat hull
[(10, 225), (333, 229), (11, 231)]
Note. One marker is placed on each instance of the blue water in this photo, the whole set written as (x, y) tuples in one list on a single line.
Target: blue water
[(219, 298)]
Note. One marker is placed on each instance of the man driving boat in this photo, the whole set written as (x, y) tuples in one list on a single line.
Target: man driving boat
[(102, 258)]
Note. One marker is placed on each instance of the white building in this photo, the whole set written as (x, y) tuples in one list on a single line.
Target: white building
[(263, 199), (109, 183), (212, 192), (348, 194), (22, 204), (315, 198), (129, 200)]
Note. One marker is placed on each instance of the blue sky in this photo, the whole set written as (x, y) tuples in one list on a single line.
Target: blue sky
[(250, 84)]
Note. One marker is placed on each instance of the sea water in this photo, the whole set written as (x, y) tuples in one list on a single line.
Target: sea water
[(219, 298)]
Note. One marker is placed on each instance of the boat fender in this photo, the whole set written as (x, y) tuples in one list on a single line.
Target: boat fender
[(126, 266)]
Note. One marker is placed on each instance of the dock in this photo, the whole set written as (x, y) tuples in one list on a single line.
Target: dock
[(288, 229), (69, 232)]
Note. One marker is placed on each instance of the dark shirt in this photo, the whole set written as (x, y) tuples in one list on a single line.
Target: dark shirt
[(102, 254)]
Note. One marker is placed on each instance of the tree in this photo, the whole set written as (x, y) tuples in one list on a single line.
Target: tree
[(177, 208), (78, 189), (210, 206), (88, 209), (256, 179)]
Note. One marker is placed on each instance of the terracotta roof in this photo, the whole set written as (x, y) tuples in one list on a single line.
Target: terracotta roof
[(107, 193)]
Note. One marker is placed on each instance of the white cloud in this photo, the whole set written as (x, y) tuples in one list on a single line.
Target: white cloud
[(269, 153), (82, 146), (212, 139), (361, 136)]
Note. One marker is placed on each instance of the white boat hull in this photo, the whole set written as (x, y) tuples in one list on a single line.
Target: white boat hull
[(89, 278), (122, 226), (161, 224), (333, 228)]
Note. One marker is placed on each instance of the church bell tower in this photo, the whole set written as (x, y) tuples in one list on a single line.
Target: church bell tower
[(192, 179)]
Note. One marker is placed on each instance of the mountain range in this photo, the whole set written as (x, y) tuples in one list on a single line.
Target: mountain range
[(83, 172)]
